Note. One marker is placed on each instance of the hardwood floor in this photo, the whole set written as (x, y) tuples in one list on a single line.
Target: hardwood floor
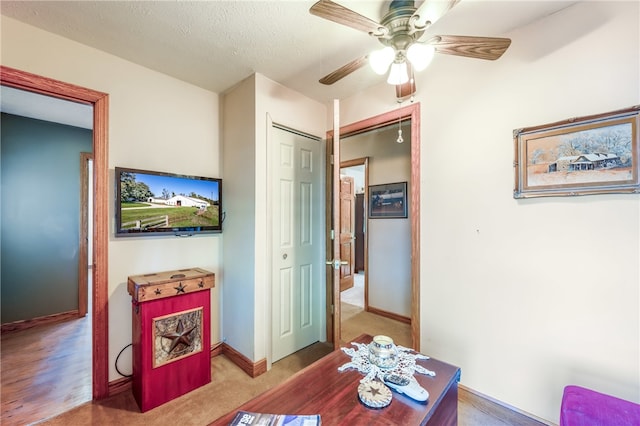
[(44, 374), (45, 371)]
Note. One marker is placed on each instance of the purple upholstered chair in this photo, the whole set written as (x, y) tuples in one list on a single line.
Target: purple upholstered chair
[(584, 407)]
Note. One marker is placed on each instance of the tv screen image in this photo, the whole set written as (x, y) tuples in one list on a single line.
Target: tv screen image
[(154, 203)]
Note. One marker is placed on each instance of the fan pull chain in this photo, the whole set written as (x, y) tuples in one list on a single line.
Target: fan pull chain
[(400, 138)]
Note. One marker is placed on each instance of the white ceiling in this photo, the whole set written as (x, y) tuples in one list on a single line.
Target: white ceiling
[(41, 107), (216, 44)]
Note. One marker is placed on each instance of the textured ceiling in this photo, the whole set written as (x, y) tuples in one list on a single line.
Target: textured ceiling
[(216, 44)]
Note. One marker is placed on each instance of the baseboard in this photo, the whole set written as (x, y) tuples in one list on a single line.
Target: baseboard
[(216, 349), (498, 409), (253, 369), (124, 383), (390, 315), (11, 327), (119, 385)]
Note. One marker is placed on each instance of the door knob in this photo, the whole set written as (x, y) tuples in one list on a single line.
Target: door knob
[(336, 263)]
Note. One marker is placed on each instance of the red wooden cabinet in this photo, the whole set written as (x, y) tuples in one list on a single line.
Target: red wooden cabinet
[(171, 334)]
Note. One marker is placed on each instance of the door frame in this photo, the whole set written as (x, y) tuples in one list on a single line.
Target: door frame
[(100, 101), (409, 112), (83, 262)]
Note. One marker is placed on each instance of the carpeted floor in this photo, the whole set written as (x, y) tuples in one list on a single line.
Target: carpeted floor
[(230, 387), (355, 321), (348, 311)]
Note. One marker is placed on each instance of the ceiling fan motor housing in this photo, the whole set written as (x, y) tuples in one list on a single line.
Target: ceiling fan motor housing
[(400, 31)]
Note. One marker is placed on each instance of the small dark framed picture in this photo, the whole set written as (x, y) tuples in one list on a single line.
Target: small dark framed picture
[(388, 200)]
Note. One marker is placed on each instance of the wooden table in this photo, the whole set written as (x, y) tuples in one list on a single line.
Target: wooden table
[(321, 389)]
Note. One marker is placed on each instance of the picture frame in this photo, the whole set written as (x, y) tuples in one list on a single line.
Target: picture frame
[(596, 154), (176, 336), (388, 200)]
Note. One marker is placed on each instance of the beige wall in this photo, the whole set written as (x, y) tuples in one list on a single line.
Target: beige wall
[(239, 196), (278, 104), (525, 295), (249, 110), (149, 113)]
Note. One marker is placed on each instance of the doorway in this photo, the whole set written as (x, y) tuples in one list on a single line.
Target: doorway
[(411, 114), (100, 221), (354, 299)]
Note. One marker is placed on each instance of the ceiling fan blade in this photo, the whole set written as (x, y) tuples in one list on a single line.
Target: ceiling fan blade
[(430, 11), (490, 48), (344, 70), (332, 11)]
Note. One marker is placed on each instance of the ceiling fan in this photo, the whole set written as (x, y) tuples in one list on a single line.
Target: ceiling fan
[(407, 46)]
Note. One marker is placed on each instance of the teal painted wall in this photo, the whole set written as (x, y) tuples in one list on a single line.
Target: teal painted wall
[(40, 216)]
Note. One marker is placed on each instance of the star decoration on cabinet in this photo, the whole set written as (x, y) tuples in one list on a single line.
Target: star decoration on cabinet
[(179, 336), (180, 288)]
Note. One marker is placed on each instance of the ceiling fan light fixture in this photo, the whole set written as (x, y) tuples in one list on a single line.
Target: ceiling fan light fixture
[(398, 73), (381, 59), (420, 55)]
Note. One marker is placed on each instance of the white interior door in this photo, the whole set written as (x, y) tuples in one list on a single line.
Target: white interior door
[(298, 255)]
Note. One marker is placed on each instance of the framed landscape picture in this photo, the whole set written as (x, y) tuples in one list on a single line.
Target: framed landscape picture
[(388, 200), (596, 154)]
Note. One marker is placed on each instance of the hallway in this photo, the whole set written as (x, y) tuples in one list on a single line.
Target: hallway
[(354, 295)]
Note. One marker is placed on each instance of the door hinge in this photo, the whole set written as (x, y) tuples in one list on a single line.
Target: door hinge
[(331, 159), (333, 235)]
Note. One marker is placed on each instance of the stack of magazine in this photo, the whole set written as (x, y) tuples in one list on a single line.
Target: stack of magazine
[(263, 419)]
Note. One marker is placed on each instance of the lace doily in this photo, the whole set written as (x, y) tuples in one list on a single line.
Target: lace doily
[(407, 365)]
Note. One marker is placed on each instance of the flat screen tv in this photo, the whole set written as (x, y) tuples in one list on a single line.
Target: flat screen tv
[(159, 203)]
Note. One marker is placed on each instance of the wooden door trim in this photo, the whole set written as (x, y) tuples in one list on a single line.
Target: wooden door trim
[(83, 262), (100, 323), (411, 112)]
